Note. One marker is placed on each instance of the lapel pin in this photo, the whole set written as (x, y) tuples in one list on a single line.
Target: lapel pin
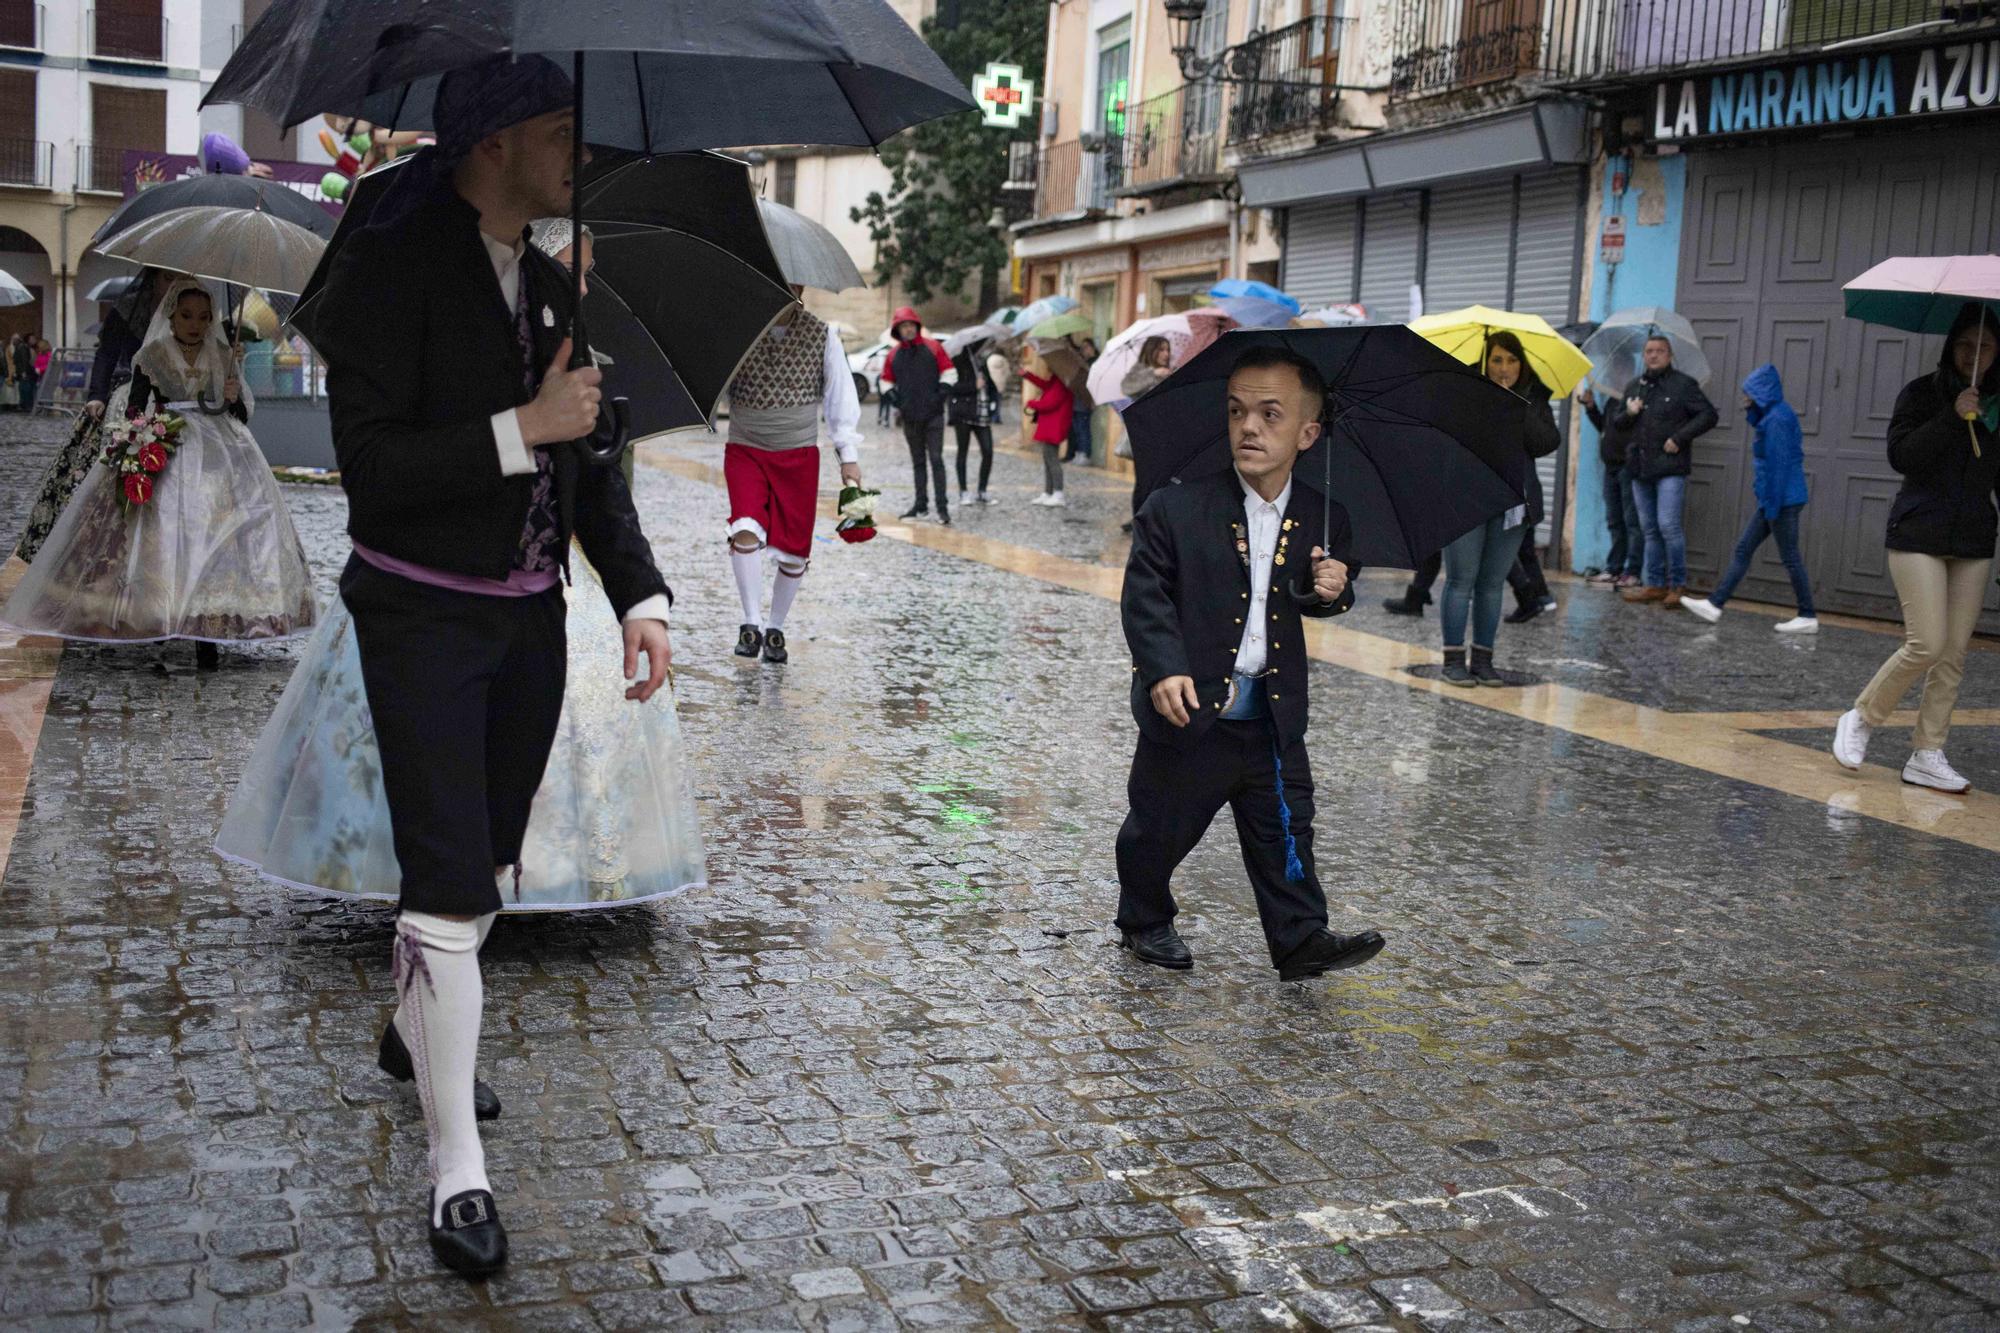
[(548, 318)]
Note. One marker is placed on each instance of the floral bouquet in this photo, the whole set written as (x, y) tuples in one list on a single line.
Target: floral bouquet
[(857, 514), (137, 450)]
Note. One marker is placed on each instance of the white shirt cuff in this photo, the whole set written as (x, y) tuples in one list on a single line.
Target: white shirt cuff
[(847, 450), (515, 459), (653, 608)]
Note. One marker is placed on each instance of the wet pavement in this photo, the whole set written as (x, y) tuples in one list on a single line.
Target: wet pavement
[(1650, 1047)]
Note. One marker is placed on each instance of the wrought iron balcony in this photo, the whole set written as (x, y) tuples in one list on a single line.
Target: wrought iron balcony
[(1289, 79), (26, 162), (1167, 141), (100, 168), (1446, 46), (1072, 180)]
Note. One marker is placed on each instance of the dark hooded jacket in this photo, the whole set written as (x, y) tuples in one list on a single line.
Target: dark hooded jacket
[(1946, 505), (916, 366)]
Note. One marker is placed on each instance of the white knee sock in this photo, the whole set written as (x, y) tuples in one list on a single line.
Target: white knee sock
[(437, 971), (784, 589), (748, 566), (484, 925)]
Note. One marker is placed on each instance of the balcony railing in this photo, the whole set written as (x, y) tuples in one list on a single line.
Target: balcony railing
[(1444, 46), (26, 162), (21, 27), (100, 169), (1169, 140), (1024, 165), (121, 34), (1290, 79), (1072, 180)]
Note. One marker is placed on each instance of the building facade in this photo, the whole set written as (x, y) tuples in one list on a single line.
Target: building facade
[(1769, 153), (1136, 211)]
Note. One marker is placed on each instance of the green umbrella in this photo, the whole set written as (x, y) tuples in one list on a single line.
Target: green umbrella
[(1062, 326)]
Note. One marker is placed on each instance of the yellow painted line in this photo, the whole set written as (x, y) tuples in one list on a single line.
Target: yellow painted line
[(1724, 744), (27, 669)]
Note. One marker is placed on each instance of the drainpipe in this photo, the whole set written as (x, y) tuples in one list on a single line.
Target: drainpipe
[(62, 274), (1235, 238)]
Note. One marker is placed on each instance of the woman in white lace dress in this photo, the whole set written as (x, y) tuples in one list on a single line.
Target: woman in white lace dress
[(614, 818), (210, 554)]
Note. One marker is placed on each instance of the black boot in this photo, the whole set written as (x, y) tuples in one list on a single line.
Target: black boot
[(394, 1060), (1454, 668), (207, 657), (1411, 603), (749, 641), (917, 511), (1482, 667)]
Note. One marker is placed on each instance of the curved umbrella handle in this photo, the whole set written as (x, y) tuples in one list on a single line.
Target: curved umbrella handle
[(201, 401), (606, 442)]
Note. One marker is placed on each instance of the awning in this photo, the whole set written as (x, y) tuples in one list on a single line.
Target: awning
[(1547, 133)]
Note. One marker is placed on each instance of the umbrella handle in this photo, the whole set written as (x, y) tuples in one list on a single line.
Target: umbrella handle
[(608, 438), (1972, 433)]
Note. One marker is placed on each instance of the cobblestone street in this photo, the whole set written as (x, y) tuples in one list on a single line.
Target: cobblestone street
[(1679, 1025)]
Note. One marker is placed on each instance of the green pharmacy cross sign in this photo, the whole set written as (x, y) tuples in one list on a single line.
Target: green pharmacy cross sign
[(1003, 95)]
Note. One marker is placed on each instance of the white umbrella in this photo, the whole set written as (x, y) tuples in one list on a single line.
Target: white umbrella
[(235, 245), (978, 333), (12, 293), (810, 255)]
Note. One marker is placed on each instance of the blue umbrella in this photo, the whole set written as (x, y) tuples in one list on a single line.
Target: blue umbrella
[(1255, 305), (1045, 309)]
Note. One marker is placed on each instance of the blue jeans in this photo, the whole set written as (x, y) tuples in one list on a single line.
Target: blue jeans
[(1621, 517), (1786, 529), (1659, 502), (1475, 570)]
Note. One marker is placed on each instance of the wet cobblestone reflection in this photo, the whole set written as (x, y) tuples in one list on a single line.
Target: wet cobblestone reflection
[(1648, 1049)]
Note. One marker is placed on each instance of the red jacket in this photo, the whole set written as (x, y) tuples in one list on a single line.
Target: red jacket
[(1052, 410), (919, 387)]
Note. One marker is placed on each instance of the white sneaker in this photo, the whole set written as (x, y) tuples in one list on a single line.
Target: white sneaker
[(1703, 608), (964, 499), (1798, 625), (1056, 501), (986, 499), (1929, 768), (1039, 500), (1850, 739)]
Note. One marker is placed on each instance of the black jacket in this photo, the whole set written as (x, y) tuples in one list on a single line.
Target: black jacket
[(1541, 439), (117, 342), (421, 352), (1945, 507), (1673, 408), (974, 394), (1614, 443), (1187, 587)]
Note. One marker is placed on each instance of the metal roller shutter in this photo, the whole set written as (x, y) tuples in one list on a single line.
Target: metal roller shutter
[(1319, 254), (1545, 256), (1465, 261), (1389, 234)]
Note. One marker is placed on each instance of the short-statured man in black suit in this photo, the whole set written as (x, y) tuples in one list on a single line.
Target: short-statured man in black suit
[(1219, 674)]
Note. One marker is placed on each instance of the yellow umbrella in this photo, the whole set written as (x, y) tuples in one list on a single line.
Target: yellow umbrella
[(1463, 333)]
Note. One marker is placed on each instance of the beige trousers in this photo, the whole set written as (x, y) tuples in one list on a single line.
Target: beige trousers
[(1941, 599)]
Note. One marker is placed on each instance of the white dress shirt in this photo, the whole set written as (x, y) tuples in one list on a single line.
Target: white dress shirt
[(516, 459), (1264, 520)]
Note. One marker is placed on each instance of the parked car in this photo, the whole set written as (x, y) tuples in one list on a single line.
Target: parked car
[(866, 363)]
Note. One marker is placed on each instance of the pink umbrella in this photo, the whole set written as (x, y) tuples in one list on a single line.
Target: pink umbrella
[(1924, 294), (1122, 353)]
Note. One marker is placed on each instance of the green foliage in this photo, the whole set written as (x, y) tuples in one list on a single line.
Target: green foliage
[(930, 230)]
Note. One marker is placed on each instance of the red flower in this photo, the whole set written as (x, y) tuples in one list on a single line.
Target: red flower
[(138, 488), (153, 458)]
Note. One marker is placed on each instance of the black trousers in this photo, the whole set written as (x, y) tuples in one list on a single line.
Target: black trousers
[(1530, 584), (926, 441), (965, 434), (466, 692), (1176, 793)]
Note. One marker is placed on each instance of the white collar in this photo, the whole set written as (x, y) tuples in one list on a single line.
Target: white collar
[(503, 255), (1252, 500)]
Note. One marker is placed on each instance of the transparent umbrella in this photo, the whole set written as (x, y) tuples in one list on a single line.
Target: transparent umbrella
[(1615, 349), (12, 293)]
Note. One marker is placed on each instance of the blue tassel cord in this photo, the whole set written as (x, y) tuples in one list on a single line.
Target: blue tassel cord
[(1295, 871)]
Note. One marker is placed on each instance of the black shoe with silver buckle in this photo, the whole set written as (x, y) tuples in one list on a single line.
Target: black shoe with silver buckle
[(749, 641), (394, 1060), (774, 646), (471, 1240)]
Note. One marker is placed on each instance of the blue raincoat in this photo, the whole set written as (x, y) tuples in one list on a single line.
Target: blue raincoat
[(1778, 449)]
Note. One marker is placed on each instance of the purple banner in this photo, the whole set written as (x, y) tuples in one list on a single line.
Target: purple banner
[(141, 169)]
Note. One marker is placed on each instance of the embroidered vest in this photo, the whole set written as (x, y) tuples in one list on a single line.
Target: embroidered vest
[(788, 371), (541, 529)]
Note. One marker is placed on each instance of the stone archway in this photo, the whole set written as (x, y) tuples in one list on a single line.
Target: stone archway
[(26, 260)]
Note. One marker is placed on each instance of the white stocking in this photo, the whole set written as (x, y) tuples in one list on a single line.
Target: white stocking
[(784, 588), (437, 971), (748, 566)]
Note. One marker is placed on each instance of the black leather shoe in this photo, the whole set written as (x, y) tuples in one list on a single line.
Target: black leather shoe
[(207, 657), (471, 1241), (1525, 612), (1162, 946), (394, 1060), (1328, 952), (1404, 606), (774, 646), (749, 641), (944, 517), (916, 511)]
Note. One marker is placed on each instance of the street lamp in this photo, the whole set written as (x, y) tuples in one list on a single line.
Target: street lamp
[(1185, 15)]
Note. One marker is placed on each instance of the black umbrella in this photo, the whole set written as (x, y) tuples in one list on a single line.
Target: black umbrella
[(650, 77), (1417, 448), (245, 192), (683, 280)]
